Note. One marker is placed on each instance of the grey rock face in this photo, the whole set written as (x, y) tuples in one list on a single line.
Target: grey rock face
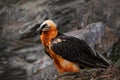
[(21, 53)]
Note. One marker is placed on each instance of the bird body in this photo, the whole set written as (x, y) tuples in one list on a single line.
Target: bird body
[(68, 53)]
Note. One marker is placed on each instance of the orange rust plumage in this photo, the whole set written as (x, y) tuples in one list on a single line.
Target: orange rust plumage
[(68, 53), (61, 64)]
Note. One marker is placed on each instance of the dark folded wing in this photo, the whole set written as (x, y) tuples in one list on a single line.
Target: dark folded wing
[(77, 51)]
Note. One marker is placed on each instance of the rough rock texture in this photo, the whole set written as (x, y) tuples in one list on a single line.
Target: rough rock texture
[(21, 53), (94, 74), (98, 36)]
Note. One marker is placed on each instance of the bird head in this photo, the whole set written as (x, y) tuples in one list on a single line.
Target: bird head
[(47, 26)]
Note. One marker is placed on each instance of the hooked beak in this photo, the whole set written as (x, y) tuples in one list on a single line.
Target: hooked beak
[(36, 28), (39, 29)]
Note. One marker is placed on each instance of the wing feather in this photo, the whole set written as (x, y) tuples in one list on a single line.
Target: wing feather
[(76, 50)]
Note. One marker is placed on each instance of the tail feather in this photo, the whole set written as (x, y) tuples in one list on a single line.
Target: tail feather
[(104, 62)]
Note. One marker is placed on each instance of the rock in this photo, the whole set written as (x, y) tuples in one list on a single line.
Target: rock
[(118, 61), (20, 48), (98, 36), (94, 74), (42, 69), (114, 55), (17, 74)]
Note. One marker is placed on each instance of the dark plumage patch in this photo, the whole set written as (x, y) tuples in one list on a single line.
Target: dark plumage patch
[(77, 51)]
